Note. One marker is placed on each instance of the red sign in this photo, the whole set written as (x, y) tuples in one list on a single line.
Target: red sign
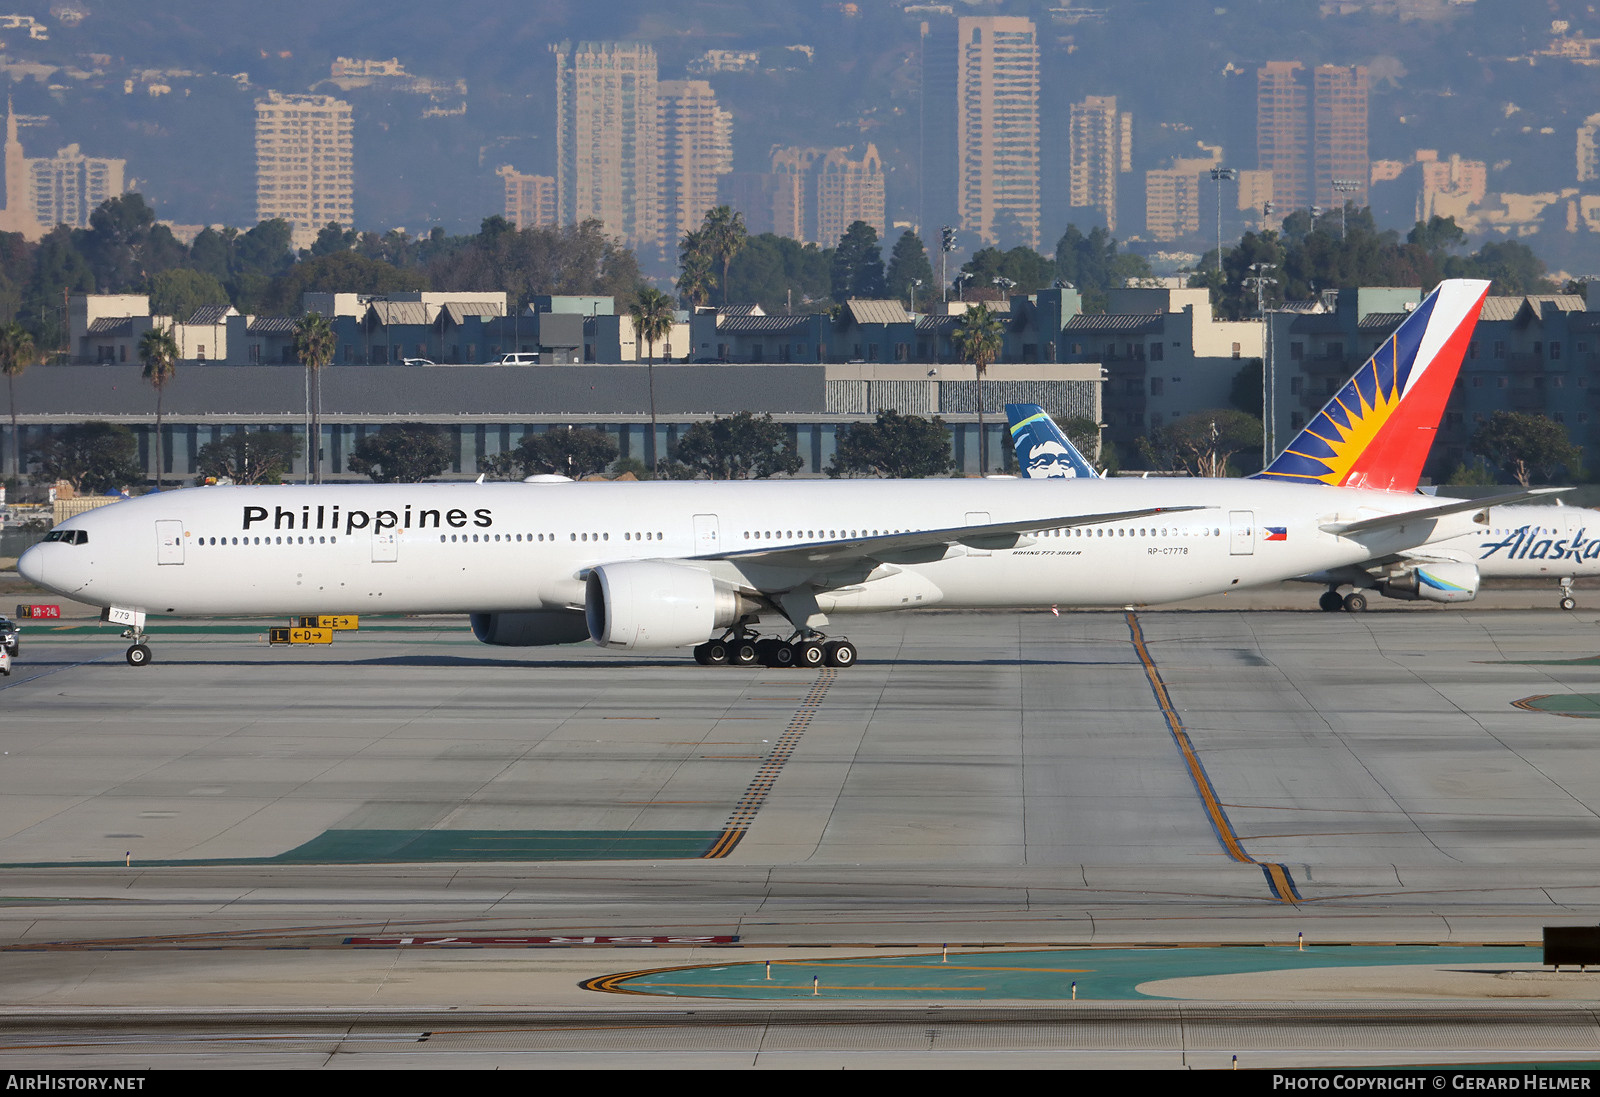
[(39, 611), (530, 942)]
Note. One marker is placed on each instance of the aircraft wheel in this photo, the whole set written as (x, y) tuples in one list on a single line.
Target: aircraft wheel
[(1569, 603), (1331, 602), (809, 654), (700, 655), (780, 655), (742, 653), (138, 656), (841, 653), (716, 653), (1355, 601)]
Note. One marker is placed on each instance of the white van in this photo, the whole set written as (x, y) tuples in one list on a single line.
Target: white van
[(523, 359)]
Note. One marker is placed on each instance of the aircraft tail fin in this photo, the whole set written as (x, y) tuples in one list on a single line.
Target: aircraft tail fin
[(1377, 430), (1043, 449)]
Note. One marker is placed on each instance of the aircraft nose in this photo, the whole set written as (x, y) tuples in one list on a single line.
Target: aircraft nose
[(31, 565)]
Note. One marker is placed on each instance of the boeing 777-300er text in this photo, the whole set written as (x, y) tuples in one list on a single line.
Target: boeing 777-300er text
[(660, 565), (1516, 542)]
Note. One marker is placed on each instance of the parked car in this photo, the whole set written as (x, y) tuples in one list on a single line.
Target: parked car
[(517, 359), (9, 641), (416, 362)]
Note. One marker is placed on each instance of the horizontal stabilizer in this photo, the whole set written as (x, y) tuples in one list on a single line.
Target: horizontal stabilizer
[(1451, 506)]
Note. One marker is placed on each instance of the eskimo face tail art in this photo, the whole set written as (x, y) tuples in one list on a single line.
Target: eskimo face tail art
[(1377, 430), (1043, 451)]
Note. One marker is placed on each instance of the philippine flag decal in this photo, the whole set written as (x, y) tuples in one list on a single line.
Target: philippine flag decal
[(1277, 533)]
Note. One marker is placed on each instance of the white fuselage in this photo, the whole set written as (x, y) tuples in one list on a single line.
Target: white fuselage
[(443, 548), (1523, 542)]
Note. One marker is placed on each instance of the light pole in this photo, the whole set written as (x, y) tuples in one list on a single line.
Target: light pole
[(947, 244), (1006, 285), (915, 282), (1341, 188), (1220, 176), (1268, 392)]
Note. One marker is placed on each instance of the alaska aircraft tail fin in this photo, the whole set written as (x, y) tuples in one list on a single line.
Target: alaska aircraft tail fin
[(1043, 450), (1377, 430)]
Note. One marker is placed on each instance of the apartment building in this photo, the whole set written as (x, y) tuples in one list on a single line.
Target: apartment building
[(696, 138), (1100, 147), (305, 163), (608, 146)]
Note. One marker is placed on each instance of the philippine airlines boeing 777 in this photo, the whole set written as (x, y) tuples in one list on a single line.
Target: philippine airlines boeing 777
[(1516, 542), (671, 564)]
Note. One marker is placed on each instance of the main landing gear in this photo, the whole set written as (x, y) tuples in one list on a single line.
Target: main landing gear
[(1333, 602), (744, 649)]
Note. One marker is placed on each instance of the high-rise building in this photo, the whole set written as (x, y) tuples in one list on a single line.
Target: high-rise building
[(530, 199), (607, 140), (1313, 139), (17, 214), (980, 127), (1341, 162), (66, 188), (1283, 132), (1100, 148), (834, 190), (848, 191), (696, 150), (305, 165)]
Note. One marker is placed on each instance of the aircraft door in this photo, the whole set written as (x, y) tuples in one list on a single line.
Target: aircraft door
[(707, 534), (169, 542), (1242, 532), (978, 518), (386, 546)]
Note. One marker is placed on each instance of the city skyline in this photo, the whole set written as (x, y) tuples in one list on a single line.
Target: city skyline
[(1027, 185)]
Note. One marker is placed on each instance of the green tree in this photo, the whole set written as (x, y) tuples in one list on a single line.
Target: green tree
[(652, 315), (1203, 441), (979, 338), (402, 453), (1245, 392), (858, 264), (314, 343), (339, 272), (16, 355), (177, 293), (694, 271), (723, 234), (908, 265), (158, 350), (576, 452), (782, 275), (901, 447), (92, 457), (739, 447), (249, 457), (1525, 445), (1020, 270)]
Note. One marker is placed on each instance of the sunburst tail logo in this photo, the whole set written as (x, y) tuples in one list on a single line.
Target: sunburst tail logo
[(1377, 430)]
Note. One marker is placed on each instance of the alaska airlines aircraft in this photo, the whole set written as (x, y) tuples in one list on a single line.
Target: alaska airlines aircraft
[(671, 564), (1516, 542)]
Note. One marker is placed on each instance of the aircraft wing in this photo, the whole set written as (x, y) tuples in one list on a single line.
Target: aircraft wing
[(1454, 506), (907, 547)]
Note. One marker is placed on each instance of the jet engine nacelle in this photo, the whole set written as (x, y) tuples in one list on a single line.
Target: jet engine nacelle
[(649, 604), (1447, 582), (529, 630)]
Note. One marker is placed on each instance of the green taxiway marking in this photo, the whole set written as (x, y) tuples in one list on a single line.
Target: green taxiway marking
[(342, 847), (1581, 705), (1100, 974)]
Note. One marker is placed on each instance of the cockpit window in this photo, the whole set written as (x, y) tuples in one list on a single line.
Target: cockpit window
[(68, 536)]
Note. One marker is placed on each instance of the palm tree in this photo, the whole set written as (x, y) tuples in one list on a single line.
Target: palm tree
[(723, 234), (979, 338), (16, 355), (652, 319), (158, 350), (314, 342), (694, 267)]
